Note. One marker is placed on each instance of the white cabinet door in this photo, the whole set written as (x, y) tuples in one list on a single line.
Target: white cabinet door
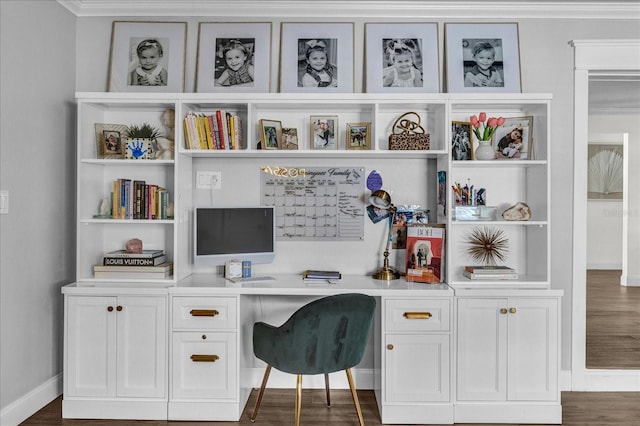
[(416, 368), (507, 349), (90, 331), (204, 365), (482, 350), (142, 346), (533, 349)]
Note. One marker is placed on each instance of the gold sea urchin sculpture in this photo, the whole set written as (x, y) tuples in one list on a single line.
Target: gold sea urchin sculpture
[(488, 245)]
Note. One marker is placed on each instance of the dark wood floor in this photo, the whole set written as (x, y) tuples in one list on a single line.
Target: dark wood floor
[(579, 409), (613, 322)]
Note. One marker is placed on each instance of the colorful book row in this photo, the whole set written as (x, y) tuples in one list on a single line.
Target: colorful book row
[(220, 130), (135, 199)]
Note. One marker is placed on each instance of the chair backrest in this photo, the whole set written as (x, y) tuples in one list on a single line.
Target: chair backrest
[(326, 335)]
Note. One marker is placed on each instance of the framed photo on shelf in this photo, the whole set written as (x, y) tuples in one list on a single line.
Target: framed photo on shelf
[(514, 139), (402, 58), (110, 140), (358, 136), (289, 138), (316, 57), (482, 58), (323, 131), (270, 134), (233, 57), (461, 141), (605, 171), (147, 56)]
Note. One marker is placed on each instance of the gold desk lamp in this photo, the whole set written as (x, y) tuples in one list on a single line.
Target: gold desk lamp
[(382, 200)]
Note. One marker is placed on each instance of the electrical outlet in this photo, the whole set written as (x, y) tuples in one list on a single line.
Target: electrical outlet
[(208, 180)]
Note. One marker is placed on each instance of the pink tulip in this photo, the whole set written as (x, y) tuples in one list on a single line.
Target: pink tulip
[(483, 117), (474, 121), (501, 121), (492, 122)]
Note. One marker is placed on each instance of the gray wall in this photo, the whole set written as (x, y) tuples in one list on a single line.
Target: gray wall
[(38, 169), (38, 56)]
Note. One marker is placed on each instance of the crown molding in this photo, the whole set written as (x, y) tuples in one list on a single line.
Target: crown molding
[(379, 9)]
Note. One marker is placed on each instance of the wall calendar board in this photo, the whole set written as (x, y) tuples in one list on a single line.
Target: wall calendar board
[(315, 203)]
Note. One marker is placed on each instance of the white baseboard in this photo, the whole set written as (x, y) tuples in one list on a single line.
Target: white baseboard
[(630, 280), (565, 380), (605, 266), (27, 405)]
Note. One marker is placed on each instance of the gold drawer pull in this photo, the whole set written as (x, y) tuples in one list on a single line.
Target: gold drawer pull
[(417, 315), (503, 311), (204, 358), (512, 310), (204, 312)]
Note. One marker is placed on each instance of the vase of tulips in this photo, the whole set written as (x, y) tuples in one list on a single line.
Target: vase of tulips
[(484, 129)]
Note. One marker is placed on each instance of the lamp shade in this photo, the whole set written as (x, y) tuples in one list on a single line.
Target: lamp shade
[(380, 199)]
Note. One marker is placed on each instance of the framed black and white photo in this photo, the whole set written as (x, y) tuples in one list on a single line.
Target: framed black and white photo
[(233, 57), (270, 134), (402, 58), (514, 139), (482, 58), (323, 130), (316, 57), (461, 141), (147, 56)]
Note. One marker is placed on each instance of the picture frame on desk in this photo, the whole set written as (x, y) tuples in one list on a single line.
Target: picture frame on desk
[(514, 139), (270, 134), (109, 140), (316, 57), (234, 57), (289, 138), (358, 136), (161, 46), (395, 49), (482, 57), (323, 132)]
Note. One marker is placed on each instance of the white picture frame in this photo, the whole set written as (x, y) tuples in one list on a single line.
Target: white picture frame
[(297, 39), (502, 48), (417, 42), (167, 43), (253, 39), (523, 149)]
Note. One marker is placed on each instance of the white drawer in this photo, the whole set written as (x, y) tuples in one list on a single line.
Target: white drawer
[(417, 315), (204, 313), (204, 365)]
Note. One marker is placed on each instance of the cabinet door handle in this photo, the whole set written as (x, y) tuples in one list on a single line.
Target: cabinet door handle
[(512, 310), (503, 311), (417, 315), (204, 358), (390, 346), (118, 308), (204, 312), (110, 308)]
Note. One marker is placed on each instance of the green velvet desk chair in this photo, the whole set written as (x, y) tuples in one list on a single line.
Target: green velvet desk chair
[(324, 336)]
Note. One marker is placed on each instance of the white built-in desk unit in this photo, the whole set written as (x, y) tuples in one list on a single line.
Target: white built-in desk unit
[(436, 355)]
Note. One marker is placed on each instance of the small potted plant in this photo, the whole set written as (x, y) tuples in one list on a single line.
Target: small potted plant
[(139, 141)]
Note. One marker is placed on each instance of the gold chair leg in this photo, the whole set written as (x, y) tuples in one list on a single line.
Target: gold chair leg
[(298, 398), (259, 400), (355, 396), (326, 386)]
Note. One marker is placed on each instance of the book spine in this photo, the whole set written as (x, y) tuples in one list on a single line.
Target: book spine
[(143, 255), (133, 261), (473, 276), (220, 128)]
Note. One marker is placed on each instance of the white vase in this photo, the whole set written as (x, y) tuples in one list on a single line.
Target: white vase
[(485, 151)]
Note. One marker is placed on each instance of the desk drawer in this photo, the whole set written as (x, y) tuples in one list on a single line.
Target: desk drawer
[(204, 313), (417, 315)]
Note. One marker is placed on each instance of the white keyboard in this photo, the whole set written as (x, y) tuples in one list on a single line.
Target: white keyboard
[(252, 279)]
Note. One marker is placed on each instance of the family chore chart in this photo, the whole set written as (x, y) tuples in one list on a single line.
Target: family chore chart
[(315, 203)]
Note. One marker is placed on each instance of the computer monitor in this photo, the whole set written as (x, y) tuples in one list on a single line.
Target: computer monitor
[(234, 233)]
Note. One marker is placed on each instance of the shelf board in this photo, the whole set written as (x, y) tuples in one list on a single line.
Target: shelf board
[(128, 221), (120, 162), (314, 153), (500, 222), (498, 163)]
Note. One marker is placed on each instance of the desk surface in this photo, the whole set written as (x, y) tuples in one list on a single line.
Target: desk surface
[(284, 284)]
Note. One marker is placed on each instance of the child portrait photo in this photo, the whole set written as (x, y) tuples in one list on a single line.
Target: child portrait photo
[(233, 57), (316, 57), (358, 136), (514, 140), (324, 132), (147, 56), (112, 142), (402, 58), (482, 57)]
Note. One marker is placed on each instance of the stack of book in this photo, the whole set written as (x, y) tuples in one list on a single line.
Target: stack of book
[(490, 273), (313, 276), (150, 264), (135, 199), (220, 130)]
